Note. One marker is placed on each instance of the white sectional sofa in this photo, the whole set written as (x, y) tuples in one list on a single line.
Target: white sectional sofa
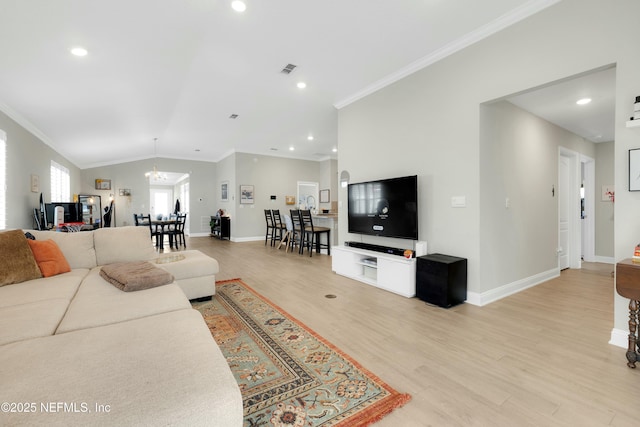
[(76, 350)]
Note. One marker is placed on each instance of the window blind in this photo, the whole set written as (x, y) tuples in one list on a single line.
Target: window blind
[(60, 183)]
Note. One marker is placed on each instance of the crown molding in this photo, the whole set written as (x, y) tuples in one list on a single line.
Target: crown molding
[(518, 14), (32, 129)]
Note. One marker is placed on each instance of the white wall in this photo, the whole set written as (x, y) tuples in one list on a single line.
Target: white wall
[(329, 181), (270, 176), (130, 175), (604, 224), (519, 161), (27, 155), (429, 122), (226, 172)]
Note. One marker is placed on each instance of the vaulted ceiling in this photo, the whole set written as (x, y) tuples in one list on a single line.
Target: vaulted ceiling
[(179, 70)]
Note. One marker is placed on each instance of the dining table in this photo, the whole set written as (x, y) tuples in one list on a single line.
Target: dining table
[(161, 224)]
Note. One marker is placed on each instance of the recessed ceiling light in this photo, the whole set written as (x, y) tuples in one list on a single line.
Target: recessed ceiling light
[(583, 101), (233, 116), (79, 51), (310, 137), (301, 85), (335, 150), (291, 148), (238, 6)]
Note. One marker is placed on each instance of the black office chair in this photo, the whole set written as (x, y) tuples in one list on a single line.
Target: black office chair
[(108, 212)]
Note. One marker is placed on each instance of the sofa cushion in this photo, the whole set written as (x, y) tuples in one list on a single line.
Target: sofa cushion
[(122, 244), (98, 303), (160, 370), (49, 257), (193, 264), (76, 247), (60, 286), (31, 320), (21, 265)]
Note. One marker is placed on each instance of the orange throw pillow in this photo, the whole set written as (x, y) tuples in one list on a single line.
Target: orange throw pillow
[(49, 257)]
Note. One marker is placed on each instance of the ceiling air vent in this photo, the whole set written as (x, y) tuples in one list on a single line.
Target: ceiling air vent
[(233, 116), (288, 69)]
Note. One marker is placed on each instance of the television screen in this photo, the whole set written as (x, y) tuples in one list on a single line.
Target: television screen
[(387, 208)]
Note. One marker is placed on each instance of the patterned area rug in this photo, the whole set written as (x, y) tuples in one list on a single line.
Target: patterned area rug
[(289, 376)]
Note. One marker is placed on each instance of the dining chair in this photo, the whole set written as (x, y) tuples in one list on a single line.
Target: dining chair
[(278, 226), (311, 234), (270, 227), (153, 229), (176, 234), (297, 228), (288, 237)]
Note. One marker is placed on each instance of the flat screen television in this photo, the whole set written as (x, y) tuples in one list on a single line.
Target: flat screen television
[(387, 208)]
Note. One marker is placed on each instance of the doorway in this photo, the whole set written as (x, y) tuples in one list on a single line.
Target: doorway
[(588, 228), (569, 210), (168, 192)]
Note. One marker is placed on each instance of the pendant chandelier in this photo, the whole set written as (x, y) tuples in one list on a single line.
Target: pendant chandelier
[(155, 175)]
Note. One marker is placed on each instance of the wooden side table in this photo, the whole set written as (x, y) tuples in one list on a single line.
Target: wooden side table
[(628, 285)]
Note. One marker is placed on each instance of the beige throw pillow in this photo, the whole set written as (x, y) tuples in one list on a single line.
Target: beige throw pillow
[(17, 263)]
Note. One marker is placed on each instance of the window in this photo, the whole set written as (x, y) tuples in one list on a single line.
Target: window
[(161, 202), (60, 183), (3, 180)]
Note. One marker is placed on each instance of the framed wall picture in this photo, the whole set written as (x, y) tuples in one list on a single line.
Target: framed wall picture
[(634, 169), (35, 183), (224, 191), (290, 200), (103, 184), (246, 194), (324, 196), (608, 193)]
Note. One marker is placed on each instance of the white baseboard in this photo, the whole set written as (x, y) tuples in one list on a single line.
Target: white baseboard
[(247, 239), (604, 259), (619, 338), (492, 295), (233, 239)]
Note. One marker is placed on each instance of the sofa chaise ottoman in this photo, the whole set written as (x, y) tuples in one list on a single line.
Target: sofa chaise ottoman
[(76, 350)]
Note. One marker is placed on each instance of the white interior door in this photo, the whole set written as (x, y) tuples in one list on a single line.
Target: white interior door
[(564, 210)]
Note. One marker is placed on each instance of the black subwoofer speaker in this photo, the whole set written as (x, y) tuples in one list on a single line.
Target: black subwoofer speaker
[(441, 279)]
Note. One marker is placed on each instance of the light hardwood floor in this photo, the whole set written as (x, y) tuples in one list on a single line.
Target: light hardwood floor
[(537, 358)]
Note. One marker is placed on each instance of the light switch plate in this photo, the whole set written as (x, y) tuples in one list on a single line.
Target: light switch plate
[(459, 201)]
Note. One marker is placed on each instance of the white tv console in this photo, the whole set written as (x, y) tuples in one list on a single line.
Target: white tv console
[(389, 272)]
